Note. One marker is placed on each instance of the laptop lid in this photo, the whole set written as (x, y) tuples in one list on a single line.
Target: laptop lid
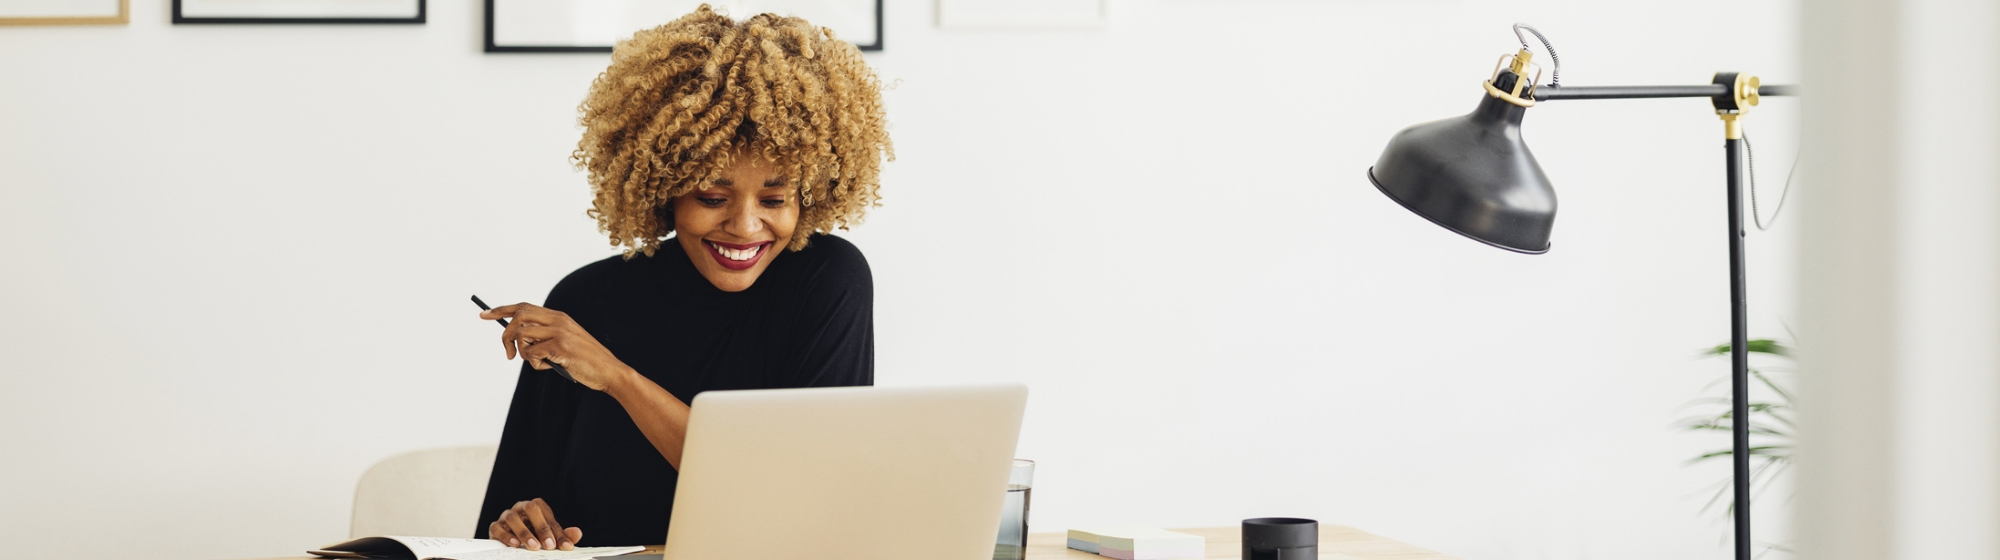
[(845, 472)]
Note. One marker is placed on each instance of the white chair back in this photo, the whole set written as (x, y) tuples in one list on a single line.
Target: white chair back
[(427, 493)]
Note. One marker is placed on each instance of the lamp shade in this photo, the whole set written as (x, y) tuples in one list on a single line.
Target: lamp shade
[(1473, 175)]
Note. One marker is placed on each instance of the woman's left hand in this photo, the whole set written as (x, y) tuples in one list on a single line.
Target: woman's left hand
[(537, 333)]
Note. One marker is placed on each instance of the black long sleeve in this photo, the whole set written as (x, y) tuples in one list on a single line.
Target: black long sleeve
[(807, 322), (834, 339)]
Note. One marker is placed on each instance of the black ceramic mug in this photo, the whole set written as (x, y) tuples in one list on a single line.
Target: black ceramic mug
[(1280, 538)]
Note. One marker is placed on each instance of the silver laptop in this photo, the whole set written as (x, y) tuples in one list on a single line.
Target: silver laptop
[(845, 473)]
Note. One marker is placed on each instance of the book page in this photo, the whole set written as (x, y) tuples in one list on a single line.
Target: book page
[(442, 547), (580, 553)]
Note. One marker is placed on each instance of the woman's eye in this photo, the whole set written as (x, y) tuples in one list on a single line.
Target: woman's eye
[(709, 202), (774, 203)]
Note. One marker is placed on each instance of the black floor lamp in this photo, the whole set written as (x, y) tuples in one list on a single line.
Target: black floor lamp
[(1474, 175)]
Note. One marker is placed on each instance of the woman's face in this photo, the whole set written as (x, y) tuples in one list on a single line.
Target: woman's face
[(733, 227)]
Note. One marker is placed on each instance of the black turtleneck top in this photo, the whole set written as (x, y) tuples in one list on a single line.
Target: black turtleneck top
[(808, 321)]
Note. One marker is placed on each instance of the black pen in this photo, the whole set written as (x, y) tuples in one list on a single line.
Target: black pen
[(503, 322)]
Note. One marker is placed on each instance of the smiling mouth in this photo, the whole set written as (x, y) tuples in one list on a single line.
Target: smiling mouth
[(736, 256)]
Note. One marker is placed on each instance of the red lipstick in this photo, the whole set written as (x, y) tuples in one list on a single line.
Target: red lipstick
[(715, 251)]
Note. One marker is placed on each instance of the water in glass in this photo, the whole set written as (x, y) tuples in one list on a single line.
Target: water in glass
[(1012, 543)]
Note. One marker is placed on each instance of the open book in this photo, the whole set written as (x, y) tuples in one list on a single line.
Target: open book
[(440, 548)]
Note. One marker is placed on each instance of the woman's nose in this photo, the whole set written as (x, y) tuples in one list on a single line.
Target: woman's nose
[(743, 221)]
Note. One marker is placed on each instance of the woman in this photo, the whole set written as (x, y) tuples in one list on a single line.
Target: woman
[(748, 141)]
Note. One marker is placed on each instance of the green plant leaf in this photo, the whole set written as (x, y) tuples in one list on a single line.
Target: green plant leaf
[(1782, 393), (1757, 346), (1769, 421), (1778, 452)]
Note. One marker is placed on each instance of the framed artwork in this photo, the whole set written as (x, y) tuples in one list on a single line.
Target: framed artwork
[(65, 12), (514, 26), (298, 11)]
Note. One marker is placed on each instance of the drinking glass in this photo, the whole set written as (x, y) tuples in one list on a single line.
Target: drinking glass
[(1013, 541)]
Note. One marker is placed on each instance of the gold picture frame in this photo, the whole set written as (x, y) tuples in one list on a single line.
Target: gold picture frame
[(124, 17)]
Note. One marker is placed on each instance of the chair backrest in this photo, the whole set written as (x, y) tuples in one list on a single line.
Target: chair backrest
[(427, 493)]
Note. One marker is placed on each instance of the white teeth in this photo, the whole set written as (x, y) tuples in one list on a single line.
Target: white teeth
[(734, 254)]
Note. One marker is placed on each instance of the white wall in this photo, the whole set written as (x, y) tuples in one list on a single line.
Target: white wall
[(237, 259), (1899, 297)]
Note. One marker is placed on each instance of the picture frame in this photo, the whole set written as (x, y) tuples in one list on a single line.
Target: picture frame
[(65, 12), (593, 26), (300, 11)]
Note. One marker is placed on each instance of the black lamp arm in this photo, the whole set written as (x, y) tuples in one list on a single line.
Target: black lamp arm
[(1732, 94), (1556, 93)]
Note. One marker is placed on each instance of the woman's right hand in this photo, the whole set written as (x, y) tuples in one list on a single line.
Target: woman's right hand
[(542, 336), (532, 525)]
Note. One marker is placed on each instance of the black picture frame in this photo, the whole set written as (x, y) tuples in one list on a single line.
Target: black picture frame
[(491, 47), (423, 11)]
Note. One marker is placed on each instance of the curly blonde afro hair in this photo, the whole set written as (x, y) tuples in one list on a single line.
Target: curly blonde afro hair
[(682, 101)]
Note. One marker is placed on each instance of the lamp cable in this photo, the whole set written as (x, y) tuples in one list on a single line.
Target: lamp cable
[(1755, 215), (1555, 76)]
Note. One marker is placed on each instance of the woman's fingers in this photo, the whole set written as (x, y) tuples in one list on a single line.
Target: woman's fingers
[(533, 519), (511, 338), (557, 537), (525, 312), (531, 324), (499, 532), (532, 525), (535, 332), (537, 354), (512, 519), (501, 312), (546, 338), (504, 311), (541, 345), (520, 334), (537, 515), (507, 338), (537, 314)]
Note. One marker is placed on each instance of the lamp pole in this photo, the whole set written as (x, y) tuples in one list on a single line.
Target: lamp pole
[(1739, 346), (1732, 94), (1474, 175)]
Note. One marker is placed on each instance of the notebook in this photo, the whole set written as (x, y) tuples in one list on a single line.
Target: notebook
[(1137, 543), (440, 548)]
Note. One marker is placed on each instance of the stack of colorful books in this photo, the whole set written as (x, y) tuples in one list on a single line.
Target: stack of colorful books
[(1138, 543)]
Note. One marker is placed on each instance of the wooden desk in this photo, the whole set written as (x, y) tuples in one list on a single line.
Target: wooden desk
[(1224, 543)]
